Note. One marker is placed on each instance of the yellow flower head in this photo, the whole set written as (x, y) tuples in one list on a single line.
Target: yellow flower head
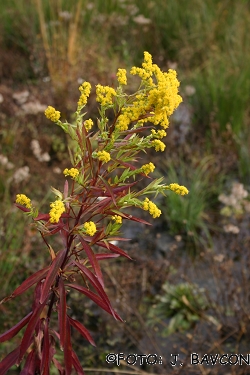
[(178, 189), (147, 168), (88, 124), (158, 145), (151, 207), (72, 172), (159, 134), (121, 76), (23, 200), (85, 89), (117, 219), (52, 114), (122, 122), (104, 95), (57, 208), (103, 156), (90, 228)]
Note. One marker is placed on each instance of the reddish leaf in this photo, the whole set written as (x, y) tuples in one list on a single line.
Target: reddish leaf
[(24, 209), (76, 364), (31, 280), (67, 350), (119, 189), (14, 330), (133, 218), (29, 332), (66, 190), (62, 307), (58, 366), (37, 295), (97, 299), (106, 256), (127, 165), (93, 261), (45, 361), (30, 364), (130, 132), (44, 217), (92, 278), (83, 331), (9, 361), (113, 248), (109, 190), (54, 268)]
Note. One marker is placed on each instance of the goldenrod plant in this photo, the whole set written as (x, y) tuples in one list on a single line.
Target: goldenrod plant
[(98, 195)]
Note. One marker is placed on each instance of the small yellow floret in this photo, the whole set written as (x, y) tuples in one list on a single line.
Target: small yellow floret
[(85, 89), (117, 219), (88, 124), (151, 207), (23, 200), (52, 114), (90, 228), (178, 189), (72, 172), (57, 208), (104, 95), (158, 145), (121, 76), (103, 156), (147, 168)]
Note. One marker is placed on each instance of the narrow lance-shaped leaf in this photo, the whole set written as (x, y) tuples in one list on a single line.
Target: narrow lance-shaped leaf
[(30, 364), (97, 299), (93, 261), (109, 190), (24, 209), (77, 364), (62, 313), (9, 361), (58, 366), (83, 331), (29, 332), (67, 349), (113, 248), (102, 256), (45, 361), (92, 278), (14, 330), (31, 280), (54, 268)]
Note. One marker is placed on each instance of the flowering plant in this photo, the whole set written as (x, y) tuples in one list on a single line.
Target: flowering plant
[(89, 212)]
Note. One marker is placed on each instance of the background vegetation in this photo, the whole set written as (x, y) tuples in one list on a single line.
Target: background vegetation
[(47, 49)]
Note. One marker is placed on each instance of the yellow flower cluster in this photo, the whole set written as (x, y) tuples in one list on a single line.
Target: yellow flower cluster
[(178, 189), (147, 68), (159, 134), (151, 207), (88, 124), (104, 94), (103, 156), (158, 145), (162, 97), (85, 89), (72, 172), (57, 208), (52, 114), (24, 200), (122, 76), (89, 228), (117, 219), (147, 168)]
